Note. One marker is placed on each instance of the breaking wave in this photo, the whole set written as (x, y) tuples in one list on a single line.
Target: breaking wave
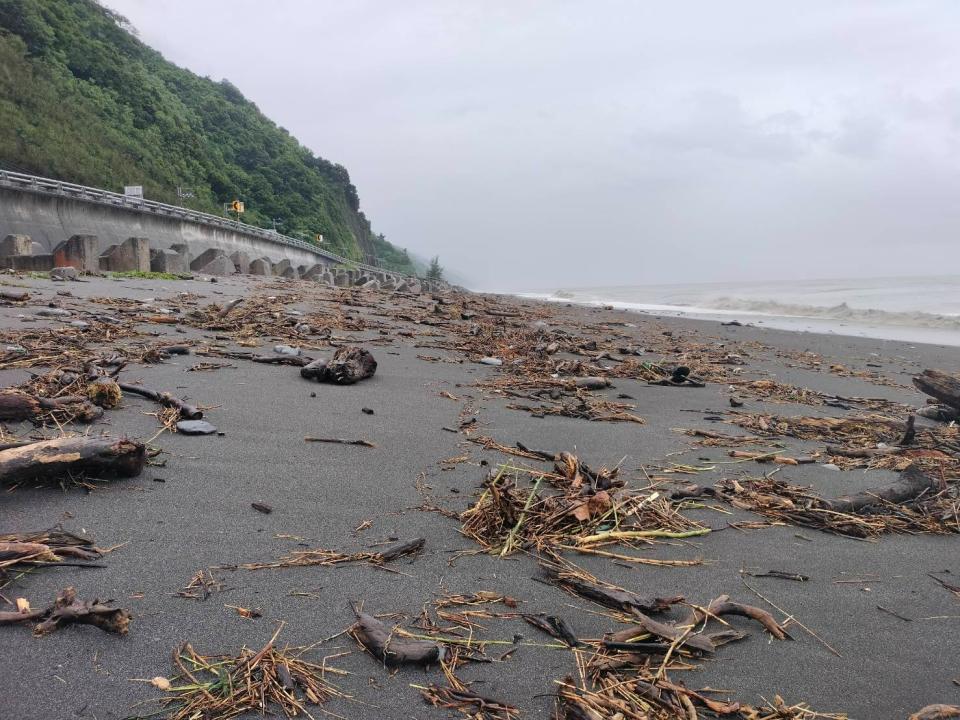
[(841, 312)]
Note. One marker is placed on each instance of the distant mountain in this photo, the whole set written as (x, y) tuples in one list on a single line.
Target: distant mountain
[(83, 100)]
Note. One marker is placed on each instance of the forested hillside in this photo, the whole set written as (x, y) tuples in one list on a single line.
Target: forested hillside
[(82, 99)]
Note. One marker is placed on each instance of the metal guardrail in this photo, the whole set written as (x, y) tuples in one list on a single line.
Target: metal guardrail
[(49, 186)]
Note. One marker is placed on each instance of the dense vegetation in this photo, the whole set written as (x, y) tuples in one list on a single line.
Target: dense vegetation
[(82, 99)]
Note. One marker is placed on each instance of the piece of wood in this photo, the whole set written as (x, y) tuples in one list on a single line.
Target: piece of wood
[(17, 406), (392, 649), (300, 361), (72, 456), (350, 364), (911, 486), (67, 610), (340, 441), (553, 626), (940, 385), (228, 307), (611, 597), (405, 547), (187, 411), (724, 606), (937, 712)]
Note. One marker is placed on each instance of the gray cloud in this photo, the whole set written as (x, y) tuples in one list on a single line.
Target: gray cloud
[(535, 144)]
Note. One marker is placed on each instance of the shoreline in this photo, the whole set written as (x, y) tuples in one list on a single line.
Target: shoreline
[(792, 323), (194, 512)]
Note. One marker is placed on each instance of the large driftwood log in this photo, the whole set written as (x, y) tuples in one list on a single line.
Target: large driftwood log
[(940, 385), (67, 610), (16, 406), (349, 364), (71, 456), (911, 486), (393, 649), (187, 412)]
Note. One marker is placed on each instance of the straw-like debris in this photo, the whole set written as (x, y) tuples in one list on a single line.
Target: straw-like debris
[(916, 503), (507, 518), (456, 695), (329, 558), (219, 687)]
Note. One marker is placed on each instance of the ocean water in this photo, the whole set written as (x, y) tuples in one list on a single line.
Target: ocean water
[(915, 309)]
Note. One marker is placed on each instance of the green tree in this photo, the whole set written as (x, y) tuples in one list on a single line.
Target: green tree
[(435, 271), (83, 99)]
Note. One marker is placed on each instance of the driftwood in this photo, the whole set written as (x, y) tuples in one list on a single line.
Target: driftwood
[(940, 385), (224, 311), (553, 626), (393, 649), (15, 406), (611, 597), (911, 486), (405, 547), (71, 456), (680, 634), (724, 606), (187, 412), (937, 712), (67, 610), (45, 547), (295, 360), (349, 364)]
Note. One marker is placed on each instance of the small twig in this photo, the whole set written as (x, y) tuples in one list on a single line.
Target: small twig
[(791, 618), (341, 441)]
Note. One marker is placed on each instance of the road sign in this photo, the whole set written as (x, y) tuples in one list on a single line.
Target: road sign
[(236, 206), (133, 191)]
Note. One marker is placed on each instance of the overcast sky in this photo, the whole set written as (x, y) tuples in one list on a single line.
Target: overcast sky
[(549, 144)]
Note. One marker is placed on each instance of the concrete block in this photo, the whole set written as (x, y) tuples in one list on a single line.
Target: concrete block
[(37, 249), (290, 273), (16, 245), (340, 279), (260, 266), (80, 252), (220, 265), (184, 250), (372, 284), (133, 254), (241, 261), (206, 257), (313, 272), (165, 261), (280, 268)]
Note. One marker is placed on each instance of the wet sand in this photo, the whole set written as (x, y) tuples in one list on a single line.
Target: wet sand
[(194, 513)]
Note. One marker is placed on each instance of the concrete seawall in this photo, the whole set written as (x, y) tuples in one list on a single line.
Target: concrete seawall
[(49, 220)]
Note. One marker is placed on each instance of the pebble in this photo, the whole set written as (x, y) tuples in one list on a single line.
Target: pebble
[(286, 350), (496, 362), (79, 324), (830, 466), (195, 427), (53, 312)]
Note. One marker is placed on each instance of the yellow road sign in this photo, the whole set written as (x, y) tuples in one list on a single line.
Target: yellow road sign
[(236, 206)]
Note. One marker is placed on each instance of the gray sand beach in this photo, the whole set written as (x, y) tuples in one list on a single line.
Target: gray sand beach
[(192, 511)]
